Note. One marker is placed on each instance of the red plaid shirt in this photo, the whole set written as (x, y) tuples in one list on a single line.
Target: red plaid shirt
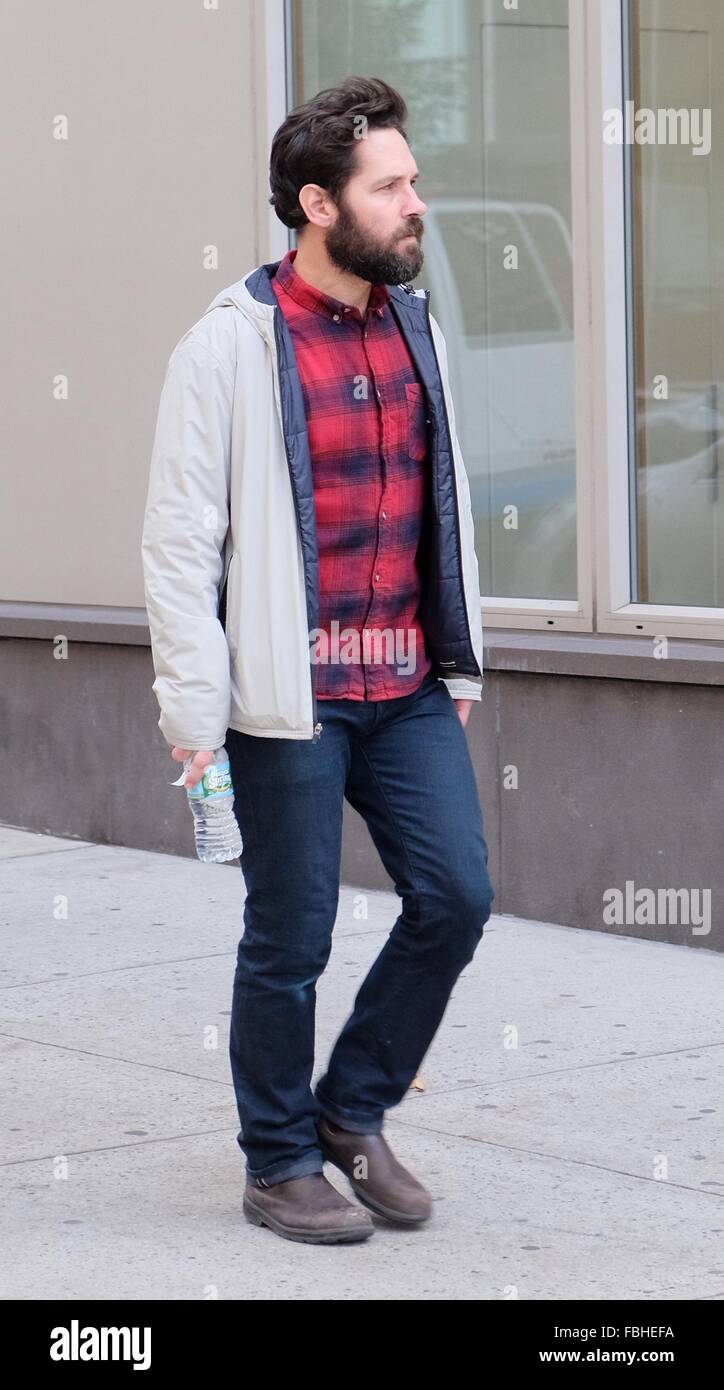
[(366, 421)]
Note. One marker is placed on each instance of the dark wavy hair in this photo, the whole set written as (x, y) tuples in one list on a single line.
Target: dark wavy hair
[(317, 141)]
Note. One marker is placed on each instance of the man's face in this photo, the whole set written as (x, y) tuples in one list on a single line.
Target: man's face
[(378, 229)]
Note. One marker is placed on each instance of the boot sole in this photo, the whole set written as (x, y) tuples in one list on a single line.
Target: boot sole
[(343, 1234), (399, 1217)]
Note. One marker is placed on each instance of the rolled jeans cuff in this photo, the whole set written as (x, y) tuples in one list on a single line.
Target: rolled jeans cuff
[(272, 1176), (349, 1119)]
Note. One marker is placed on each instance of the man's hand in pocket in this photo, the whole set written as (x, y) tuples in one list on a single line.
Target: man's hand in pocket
[(463, 708)]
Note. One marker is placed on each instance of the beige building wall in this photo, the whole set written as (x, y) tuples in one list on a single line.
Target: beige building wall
[(135, 139)]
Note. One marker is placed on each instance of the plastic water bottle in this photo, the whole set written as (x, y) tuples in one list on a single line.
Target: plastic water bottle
[(216, 828)]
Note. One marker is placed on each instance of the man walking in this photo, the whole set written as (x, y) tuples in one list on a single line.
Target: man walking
[(306, 468)]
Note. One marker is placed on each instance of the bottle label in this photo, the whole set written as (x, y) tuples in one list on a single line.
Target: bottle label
[(215, 783)]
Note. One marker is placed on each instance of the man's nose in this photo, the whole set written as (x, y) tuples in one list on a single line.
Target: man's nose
[(416, 207)]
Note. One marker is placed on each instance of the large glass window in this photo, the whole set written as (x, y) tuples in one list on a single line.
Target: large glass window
[(489, 124), (675, 289)]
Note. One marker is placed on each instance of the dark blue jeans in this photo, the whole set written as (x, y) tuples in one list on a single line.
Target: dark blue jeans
[(405, 766)]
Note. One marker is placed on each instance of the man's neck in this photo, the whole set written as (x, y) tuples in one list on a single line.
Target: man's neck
[(327, 277)]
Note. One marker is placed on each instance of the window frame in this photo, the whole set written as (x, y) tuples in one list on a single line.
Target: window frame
[(572, 615), (612, 460), (602, 427)]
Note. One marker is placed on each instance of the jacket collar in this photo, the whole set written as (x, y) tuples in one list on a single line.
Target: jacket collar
[(254, 296), (309, 297)]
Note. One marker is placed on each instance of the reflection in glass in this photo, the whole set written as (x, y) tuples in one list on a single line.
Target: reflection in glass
[(675, 274)]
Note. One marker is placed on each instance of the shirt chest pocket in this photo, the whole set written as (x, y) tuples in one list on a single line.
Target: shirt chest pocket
[(416, 421)]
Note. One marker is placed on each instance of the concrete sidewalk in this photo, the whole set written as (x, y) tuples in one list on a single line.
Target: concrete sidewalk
[(585, 1162)]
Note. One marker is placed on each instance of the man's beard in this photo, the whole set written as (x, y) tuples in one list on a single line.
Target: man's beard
[(350, 249)]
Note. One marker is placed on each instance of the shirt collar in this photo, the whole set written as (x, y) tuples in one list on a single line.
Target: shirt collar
[(311, 298)]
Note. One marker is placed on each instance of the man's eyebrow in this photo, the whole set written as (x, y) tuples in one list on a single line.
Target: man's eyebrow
[(395, 178)]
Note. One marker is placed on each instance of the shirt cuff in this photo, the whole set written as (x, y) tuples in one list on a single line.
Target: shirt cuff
[(462, 689)]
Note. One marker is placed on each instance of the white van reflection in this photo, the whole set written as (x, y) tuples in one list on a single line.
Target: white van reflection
[(510, 344), (509, 335)]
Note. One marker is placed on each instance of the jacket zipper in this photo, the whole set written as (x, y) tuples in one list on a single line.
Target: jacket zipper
[(454, 481), (317, 727)]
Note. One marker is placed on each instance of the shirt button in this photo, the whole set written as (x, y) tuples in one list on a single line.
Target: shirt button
[(336, 318), (384, 516), (379, 395), (377, 576)]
